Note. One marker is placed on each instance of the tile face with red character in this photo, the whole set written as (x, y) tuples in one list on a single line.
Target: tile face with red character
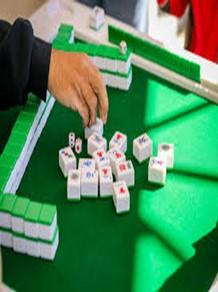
[(115, 155), (121, 197), (67, 160), (73, 185), (78, 145), (101, 158), (89, 183), (86, 163), (142, 147), (96, 142), (119, 140), (105, 181), (97, 128), (157, 170), (125, 171)]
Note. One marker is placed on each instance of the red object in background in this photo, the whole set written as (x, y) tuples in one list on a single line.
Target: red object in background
[(204, 40)]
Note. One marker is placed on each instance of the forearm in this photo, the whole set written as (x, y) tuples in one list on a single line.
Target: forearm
[(24, 63)]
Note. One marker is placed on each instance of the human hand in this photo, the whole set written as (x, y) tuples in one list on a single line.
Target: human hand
[(76, 83)]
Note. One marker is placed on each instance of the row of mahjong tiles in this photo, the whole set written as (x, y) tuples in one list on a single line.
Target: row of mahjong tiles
[(28, 227), (113, 62), (94, 176)]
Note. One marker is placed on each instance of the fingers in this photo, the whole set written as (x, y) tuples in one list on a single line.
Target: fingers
[(91, 100), (79, 104), (97, 84)]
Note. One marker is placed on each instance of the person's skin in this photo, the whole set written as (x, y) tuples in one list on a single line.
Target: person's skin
[(76, 83)]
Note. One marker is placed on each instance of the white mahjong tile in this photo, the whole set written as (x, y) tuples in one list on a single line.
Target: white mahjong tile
[(89, 183), (67, 160), (121, 197), (142, 147), (33, 248), (19, 244), (125, 172), (119, 140), (73, 185), (101, 158), (105, 181), (96, 142), (166, 150), (98, 128), (115, 156), (6, 238), (48, 250), (111, 64), (157, 170), (86, 163)]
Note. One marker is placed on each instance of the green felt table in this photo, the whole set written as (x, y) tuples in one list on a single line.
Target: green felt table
[(168, 241)]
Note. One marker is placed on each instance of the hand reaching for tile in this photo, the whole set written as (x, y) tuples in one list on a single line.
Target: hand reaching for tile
[(76, 83)]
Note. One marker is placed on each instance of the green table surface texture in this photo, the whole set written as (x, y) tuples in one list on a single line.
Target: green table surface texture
[(168, 241)]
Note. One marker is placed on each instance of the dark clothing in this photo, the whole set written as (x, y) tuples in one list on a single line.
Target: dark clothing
[(24, 63)]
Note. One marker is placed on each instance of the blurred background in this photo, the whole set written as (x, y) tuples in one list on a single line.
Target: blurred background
[(11, 9), (158, 25)]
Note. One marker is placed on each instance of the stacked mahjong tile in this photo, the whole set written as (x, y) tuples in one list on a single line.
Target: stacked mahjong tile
[(28, 227), (158, 165), (113, 62), (65, 34), (23, 138), (106, 174)]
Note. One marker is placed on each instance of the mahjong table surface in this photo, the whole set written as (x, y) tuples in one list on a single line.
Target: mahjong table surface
[(169, 239)]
